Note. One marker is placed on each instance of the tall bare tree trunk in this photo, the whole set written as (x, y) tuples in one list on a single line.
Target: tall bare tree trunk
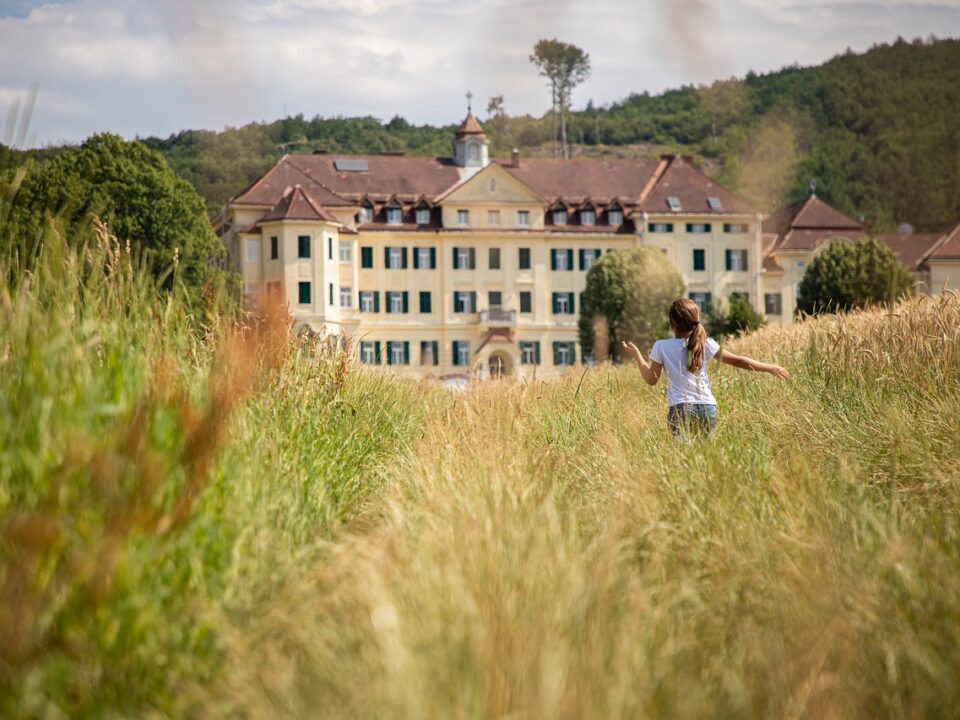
[(553, 114)]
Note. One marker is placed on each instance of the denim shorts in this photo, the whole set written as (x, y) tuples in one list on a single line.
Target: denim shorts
[(692, 418)]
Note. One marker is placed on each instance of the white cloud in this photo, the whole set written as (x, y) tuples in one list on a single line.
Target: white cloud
[(156, 66)]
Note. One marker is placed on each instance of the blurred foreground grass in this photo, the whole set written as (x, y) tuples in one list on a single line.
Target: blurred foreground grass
[(224, 522)]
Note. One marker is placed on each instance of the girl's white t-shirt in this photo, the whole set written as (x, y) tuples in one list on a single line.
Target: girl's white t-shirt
[(682, 385)]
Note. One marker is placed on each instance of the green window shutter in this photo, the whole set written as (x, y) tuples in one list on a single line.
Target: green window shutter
[(406, 301), (406, 352), (556, 353), (304, 293), (455, 254), (403, 258), (376, 301), (330, 248), (536, 351), (425, 301), (669, 227), (366, 257), (727, 254), (386, 257), (526, 303), (331, 293), (456, 355), (416, 259), (709, 302), (708, 227), (573, 307), (745, 258), (376, 353), (573, 353), (553, 259), (473, 258), (473, 302), (553, 298), (581, 255), (433, 258), (435, 346), (570, 259), (389, 352)]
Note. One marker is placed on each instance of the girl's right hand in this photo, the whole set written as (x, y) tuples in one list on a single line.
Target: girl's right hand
[(632, 350)]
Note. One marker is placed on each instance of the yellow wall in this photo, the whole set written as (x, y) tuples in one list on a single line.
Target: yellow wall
[(944, 274)]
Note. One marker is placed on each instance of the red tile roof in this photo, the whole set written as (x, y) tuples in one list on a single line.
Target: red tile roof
[(285, 174), (911, 250), (812, 239), (470, 126), (680, 179), (576, 180), (950, 247), (296, 204), (815, 213)]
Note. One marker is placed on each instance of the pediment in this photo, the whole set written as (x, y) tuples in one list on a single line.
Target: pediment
[(493, 184)]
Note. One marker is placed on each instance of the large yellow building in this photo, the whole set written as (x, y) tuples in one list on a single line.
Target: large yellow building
[(445, 266)]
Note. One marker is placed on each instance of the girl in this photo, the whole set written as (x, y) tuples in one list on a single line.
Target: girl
[(690, 400)]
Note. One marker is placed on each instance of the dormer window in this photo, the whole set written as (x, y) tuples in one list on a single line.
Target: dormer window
[(673, 202), (366, 214), (423, 216), (588, 216), (560, 216), (615, 216), (394, 214)]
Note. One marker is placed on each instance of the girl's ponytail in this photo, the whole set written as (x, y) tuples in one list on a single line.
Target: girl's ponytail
[(696, 342), (685, 318)]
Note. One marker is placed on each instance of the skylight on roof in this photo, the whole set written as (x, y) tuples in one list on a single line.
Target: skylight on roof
[(714, 203), (351, 165), (674, 202)]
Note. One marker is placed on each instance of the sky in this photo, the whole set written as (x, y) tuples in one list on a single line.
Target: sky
[(154, 67)]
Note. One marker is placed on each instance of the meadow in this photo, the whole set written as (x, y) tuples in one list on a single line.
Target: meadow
[(205, 519)]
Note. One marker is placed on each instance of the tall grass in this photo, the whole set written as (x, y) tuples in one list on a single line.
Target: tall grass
[(223, 521)]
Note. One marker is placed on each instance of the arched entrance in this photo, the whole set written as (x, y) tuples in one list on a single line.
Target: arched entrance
[(498, 366)]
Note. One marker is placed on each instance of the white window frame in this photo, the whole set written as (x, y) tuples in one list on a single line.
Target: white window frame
[(615, 216), (346, 297), (588, 216), (253, 250), (738, 260), (463, 217), (463, 258), (463, 352), (426, 351), (523, 218), (366, 214), (737, 228), (698, 228), (394, 215), (590, 256), (396, 301), (658, 227), (493, 218), (396, 353), (345, 252), (563, 303), (395, 258), (529, 353), (366, 301), (423, 258), (563, 354), (558, 215), (561, 265), (463, 301), (423, 216), (368, 353)]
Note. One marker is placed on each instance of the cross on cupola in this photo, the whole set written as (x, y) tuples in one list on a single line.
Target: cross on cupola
[(469, 102)]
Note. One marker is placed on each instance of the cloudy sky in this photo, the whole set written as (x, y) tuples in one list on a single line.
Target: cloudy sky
[(153, 67)]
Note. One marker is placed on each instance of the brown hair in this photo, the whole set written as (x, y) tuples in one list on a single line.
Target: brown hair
[(685, 320)]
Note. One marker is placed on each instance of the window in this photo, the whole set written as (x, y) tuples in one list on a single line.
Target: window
[(523, 218), (739, 294), (274, 247), (529, 352), (398, 353), (563, 303), (736, 260), (524, 258), (494, 299), (369, 301), (463, 217), (366, 214), (424, 258), (253, 251), (564, 353), (698, 228), (429, 352), (715, 204), (395, 258), (494, 258), (423, 216), (461, 352), (366, 257), (330, 248), (702, 299), (526, 301), (588, 216), (493, 217), (736, 228), (673, 202), (369, 352), (660, 227), (464, 258), (304, 295), (464, 301), (615, 216), (561, 259), (394, 215), (273, 291), (560, 216), (588, 257), (346, 252), (773, 303), (425, 304), (303, 246), (801, 264), (699, 259), (397, 302), (330, 293), (346, 297)]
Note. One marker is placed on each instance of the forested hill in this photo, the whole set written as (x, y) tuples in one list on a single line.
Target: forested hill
[(879, 131)]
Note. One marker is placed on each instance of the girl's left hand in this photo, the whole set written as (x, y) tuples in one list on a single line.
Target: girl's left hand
[(632, 350)]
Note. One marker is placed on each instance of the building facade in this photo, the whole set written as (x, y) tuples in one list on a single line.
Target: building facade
[(450, 266)]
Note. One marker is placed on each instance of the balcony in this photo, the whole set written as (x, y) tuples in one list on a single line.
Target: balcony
[(495, 317)]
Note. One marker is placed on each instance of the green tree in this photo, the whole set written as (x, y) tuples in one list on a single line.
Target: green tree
[(848, 275), (627, 297), (737, 317), (133, 190), (565, 66)]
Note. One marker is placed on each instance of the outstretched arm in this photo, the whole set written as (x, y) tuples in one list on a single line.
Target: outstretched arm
[(650, 371), (745, 363)]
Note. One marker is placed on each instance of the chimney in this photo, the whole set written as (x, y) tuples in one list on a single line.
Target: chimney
[(515, 158)]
